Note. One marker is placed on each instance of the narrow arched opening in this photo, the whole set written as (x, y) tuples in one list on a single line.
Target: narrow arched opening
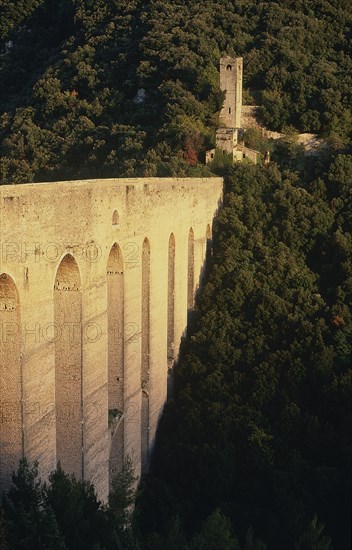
[(11, 392), (68, 367), (209, 242), (116, 368), (190, 277), (171, 302), (145, 355), (115, 218)]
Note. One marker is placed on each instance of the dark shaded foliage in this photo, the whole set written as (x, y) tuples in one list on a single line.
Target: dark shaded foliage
[(115, 88), (65, 513), (261, 419)]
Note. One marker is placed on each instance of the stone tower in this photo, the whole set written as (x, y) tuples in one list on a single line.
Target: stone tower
[(231, 70), (229, 137)]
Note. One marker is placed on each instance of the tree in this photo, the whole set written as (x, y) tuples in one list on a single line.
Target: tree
[(215, 534), (122, 495), (3, 532), (251, 543), (78, 512), (174, 539), (30, 519), (313, 538)]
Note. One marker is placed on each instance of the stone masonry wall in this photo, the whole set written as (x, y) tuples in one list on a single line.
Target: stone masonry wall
[(70, 270)]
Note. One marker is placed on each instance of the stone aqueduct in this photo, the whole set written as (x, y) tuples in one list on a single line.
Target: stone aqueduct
[(96, 278)]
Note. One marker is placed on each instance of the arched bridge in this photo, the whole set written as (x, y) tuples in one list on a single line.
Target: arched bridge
[(96, 279)]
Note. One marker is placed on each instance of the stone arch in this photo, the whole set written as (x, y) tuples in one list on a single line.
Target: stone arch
[(229, 67), (11, 385), (116, 366), (190, 274), (208, 242), (171, 302), (68, 367), (145, 355), (115, 218)]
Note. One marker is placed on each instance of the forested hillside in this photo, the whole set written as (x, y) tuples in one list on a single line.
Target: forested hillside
[(260, 423), (109, 88), (254, 451)]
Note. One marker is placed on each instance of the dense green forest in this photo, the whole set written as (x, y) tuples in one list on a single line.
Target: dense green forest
[(104, 88), (254, 450), (260, 422)]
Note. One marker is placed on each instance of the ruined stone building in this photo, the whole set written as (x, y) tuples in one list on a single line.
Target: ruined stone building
[(228, 136), (96, 282)]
